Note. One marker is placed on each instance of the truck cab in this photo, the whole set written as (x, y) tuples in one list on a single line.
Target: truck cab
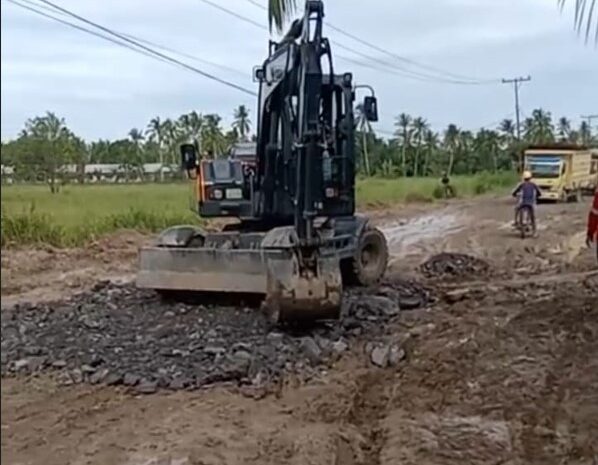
[(562, 172)]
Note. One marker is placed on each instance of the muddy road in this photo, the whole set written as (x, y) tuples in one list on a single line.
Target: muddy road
[(500, 366)]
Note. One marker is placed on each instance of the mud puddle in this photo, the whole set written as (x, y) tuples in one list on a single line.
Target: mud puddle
[(403, 235)]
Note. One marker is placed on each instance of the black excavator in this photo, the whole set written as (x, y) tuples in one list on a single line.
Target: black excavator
[(297, 240)]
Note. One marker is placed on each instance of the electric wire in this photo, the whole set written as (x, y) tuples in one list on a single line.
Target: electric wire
[(453, 77), (140, 39), (151, 50)]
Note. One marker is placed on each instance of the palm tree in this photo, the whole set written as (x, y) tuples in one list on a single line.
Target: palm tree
[(507, 127), (157, 132), (137, 136), (452, 143), (539, 128), (585, 135), (431, 141), (584, 12), (420, 127), (242, 123), (196, 122), (279, 12), (402, 123), (212, 136), (564, 128), (365, 128)]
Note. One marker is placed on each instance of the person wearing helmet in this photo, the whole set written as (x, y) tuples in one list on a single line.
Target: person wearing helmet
[(528, 193)]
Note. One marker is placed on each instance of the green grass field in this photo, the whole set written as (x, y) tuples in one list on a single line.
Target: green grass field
[(31, 215)]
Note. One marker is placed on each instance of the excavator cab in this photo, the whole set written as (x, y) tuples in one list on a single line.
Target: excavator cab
[(223, 185), (297, 240)]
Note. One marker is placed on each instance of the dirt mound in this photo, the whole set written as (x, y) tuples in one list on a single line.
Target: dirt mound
[(118, 334), (453, 264)]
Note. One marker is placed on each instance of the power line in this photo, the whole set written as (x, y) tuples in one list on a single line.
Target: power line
[(394, 68), (236, 15), (589, 119), (408, 60), (83, 29), (516, 84), (131, 36), (456, 78), (150, 50)]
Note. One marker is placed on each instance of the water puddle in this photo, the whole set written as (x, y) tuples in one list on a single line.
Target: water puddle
[(401, 235)]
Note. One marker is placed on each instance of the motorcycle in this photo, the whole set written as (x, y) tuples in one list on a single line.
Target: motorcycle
[(524, 223)]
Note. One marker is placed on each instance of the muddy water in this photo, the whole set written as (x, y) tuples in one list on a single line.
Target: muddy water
[(403, 235)]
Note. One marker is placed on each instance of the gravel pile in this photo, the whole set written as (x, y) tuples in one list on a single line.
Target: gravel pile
[(122, 335), (453, 264)]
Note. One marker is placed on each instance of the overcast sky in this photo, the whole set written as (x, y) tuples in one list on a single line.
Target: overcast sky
[(103, 90)]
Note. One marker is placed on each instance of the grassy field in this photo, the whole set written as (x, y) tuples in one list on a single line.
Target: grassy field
[(31, 215)]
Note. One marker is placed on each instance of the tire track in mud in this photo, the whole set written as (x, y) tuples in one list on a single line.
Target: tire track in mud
[(368, 410)]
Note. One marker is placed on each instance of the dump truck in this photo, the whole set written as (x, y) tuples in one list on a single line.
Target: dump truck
[(562, 171), (296, 240)]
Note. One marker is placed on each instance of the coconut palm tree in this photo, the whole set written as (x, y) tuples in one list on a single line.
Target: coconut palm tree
[(584, 17), (279, 12), (585, 135), (564, 128), (539, 128), (402, 123), (452, 142), (212, 135), (137, 136), (242, 124), (365, 128), (431, 140), (157, 133), (419, 128)]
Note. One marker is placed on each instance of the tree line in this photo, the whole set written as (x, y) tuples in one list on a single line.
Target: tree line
[(46, 144), (414, 149)]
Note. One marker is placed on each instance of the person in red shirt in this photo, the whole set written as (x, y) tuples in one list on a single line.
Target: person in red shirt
[(593, 223)]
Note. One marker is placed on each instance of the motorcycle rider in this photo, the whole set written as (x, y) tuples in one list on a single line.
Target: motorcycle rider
[(528, 193), (592, 232), (446, 185)]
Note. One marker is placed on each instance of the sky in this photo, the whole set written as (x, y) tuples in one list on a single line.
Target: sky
[(103, 90)]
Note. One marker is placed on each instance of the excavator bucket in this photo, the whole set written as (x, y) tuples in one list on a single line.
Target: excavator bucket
[(302, 295), (259, 264)]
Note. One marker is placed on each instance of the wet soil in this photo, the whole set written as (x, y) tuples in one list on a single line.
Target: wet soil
[(499, 368)]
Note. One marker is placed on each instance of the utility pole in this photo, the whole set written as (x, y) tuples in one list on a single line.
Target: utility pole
[(516, 83), (589, 119)]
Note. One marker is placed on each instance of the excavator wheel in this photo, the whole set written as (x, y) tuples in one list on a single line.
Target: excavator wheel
[(369, 263)]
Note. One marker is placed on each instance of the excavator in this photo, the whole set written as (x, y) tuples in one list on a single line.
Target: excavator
[(296, 239)]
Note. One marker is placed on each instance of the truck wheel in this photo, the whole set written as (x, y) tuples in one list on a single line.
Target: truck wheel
[(369, 263)]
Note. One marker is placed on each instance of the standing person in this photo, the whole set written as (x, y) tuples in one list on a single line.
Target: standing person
[(528, 193), (592, 233)]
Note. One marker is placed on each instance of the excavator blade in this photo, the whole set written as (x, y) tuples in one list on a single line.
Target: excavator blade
[(202, 269), (289, 294)]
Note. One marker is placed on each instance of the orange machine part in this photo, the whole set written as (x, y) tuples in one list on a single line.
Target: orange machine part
[(201, 188)]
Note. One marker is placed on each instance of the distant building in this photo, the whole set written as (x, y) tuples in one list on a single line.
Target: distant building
[(7, 174), (106, 173)]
